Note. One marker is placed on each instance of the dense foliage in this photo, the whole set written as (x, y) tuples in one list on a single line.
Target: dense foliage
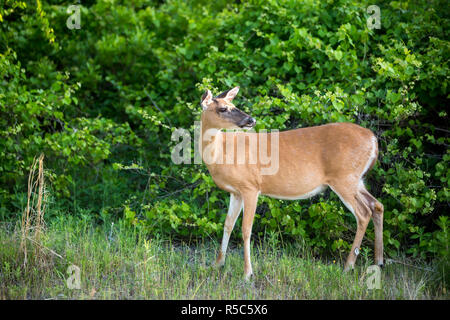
[(102, 101)]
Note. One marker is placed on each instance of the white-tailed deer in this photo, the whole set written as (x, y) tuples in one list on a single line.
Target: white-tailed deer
[(335, 155)]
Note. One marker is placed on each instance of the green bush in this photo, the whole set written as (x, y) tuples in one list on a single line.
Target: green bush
[(101, 103)]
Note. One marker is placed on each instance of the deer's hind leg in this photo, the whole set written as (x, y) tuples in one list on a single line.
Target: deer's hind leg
[(348, 192), (377, 217)]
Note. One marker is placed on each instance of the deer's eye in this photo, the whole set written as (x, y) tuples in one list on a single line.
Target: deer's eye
[(223, 109)]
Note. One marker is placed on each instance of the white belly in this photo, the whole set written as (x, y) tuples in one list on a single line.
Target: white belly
[(307, 195)]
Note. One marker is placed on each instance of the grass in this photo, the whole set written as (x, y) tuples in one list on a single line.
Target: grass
[(119, 262)]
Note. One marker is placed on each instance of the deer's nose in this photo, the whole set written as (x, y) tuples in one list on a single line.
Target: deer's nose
[(251, 121)]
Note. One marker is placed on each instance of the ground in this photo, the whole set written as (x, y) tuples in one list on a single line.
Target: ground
[(119, 262)]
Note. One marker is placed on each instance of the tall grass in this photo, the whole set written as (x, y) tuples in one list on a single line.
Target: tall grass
[(33, 215), (121, 262)]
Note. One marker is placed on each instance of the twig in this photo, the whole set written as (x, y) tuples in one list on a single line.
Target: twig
[(389, 261), (179, 190), (156, 106), (269, 281), (41, 245)]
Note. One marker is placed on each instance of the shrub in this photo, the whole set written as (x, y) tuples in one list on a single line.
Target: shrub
[(102, 101)]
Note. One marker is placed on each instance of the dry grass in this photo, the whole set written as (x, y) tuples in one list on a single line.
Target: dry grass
[(33, 224)]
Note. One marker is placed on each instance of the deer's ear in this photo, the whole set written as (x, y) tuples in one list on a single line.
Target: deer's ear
[(231, 94), (206, 99)]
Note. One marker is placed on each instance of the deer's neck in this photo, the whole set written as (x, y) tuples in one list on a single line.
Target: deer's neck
[(211, 143)]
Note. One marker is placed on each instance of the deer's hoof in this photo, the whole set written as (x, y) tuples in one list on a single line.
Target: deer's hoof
[(248, 277), (348, 268), (220, 261)]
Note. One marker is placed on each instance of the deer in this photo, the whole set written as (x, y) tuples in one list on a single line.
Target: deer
[(311, 159)]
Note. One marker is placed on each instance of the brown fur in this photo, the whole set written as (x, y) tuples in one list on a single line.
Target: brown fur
[(334, 155)]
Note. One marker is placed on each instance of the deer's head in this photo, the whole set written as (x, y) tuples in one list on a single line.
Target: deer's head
[(220, 113)]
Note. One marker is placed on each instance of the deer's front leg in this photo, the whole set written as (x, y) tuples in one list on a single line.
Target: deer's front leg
[(234, 209), (250, 201)]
